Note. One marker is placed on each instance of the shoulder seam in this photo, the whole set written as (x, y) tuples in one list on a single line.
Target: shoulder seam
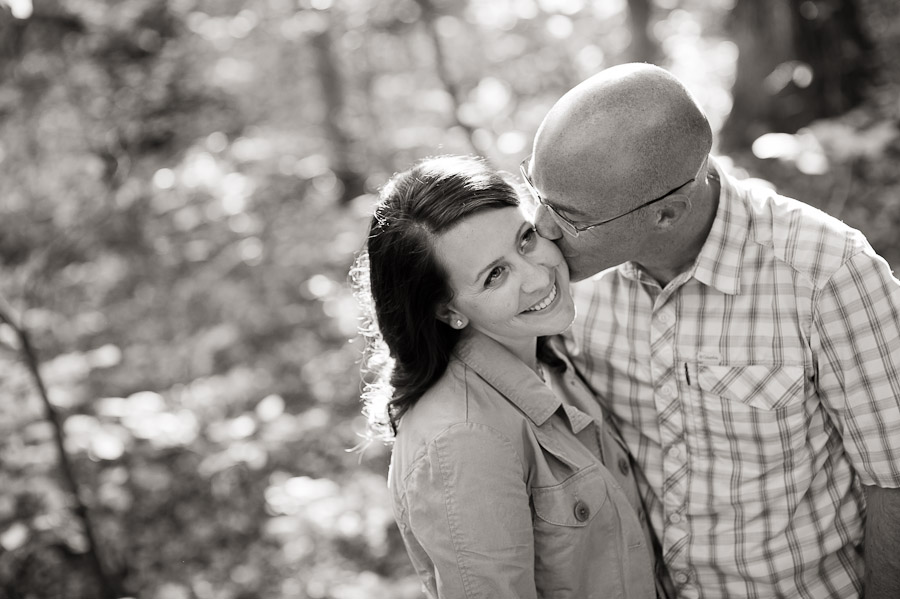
[(499, 434)]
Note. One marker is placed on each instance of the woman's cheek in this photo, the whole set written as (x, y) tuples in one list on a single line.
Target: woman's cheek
[(549, 249)]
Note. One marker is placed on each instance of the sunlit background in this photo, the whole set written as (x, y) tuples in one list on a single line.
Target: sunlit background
[(183, 186)]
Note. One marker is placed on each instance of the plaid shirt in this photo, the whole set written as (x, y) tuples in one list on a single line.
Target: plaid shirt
[(758, 390)]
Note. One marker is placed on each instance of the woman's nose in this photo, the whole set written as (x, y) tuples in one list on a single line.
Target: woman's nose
[(544, 223), (535, 275)]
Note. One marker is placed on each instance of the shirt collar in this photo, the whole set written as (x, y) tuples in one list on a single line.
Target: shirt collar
[(719, 262), (507, 374)]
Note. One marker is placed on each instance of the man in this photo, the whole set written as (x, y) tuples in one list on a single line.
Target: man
[(748, 346)]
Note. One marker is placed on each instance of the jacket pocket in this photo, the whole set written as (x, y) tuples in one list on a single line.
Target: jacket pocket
[(573, 502), (765, 387)]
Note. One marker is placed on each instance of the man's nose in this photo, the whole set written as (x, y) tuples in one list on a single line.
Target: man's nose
[(545, 225)]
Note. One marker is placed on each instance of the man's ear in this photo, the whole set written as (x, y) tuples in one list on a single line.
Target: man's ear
[(671, 211), (450, 317)]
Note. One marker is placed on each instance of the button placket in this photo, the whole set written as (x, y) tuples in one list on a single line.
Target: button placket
[(670, 418)]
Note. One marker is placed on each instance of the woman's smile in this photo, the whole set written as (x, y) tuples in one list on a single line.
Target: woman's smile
[(545, 303)]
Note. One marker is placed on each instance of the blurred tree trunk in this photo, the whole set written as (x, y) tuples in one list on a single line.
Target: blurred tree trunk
[(430, 14), (644, 48), (799, 60), (880, 18), (353, 182)]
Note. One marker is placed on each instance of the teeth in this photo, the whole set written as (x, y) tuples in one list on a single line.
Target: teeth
[(546, 301)]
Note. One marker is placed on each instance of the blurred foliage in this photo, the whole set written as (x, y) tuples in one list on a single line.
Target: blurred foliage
[(183, 186)]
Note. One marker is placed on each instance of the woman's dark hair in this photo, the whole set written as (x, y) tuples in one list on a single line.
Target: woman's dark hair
[(400, 284)]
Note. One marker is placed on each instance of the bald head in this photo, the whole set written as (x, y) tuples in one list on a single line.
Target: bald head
[(625, 135)]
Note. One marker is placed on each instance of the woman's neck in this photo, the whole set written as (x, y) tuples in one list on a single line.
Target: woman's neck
[(525, 350)]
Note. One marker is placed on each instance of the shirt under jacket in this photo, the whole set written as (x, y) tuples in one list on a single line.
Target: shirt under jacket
[(499, 488), (757, 391)]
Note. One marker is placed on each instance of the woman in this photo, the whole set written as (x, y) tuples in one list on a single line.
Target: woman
[(497, 474)]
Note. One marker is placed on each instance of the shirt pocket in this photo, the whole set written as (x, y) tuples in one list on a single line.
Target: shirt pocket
[(765, 387), (750, 421)]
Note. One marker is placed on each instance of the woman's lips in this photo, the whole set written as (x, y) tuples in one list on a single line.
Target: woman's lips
[(545, 303)]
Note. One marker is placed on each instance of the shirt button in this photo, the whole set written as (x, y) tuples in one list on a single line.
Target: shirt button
[(675, 518), (664, 318), (681, 577), (667, 391), (623, 466), (674, 451), (582, 511)]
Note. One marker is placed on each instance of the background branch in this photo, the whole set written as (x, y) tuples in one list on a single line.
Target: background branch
[(443, 73), (107, 587)]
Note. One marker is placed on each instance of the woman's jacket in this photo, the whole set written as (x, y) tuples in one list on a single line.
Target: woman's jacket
[(499, 486)]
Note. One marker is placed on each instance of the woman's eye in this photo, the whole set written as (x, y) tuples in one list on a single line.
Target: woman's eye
[(493, 276), (529, 238)]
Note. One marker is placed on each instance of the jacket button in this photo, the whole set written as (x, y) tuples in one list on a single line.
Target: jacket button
[(623, 465), (582, 511)]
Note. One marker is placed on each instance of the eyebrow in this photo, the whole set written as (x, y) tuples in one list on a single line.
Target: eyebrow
[(571, 212), (495, 262)]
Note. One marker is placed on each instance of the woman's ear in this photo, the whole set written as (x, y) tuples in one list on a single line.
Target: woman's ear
[(451, 317)]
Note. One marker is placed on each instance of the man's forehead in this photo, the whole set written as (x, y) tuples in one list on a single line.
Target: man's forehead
[(573, 191)]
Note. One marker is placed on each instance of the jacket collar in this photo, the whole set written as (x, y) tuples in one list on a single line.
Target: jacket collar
[(514, 379)]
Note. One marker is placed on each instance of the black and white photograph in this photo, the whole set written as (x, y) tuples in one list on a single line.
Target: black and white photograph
[(449, 299)]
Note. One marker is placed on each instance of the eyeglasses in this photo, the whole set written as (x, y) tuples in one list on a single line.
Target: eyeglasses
[(567, 225)]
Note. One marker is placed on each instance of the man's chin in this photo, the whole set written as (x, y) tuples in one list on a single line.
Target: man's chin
[(576, 275), (582, 265), (578, 272)]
